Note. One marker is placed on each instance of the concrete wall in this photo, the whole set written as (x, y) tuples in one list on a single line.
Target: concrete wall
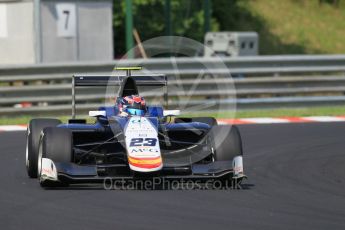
[(55, 48), (95, 30), (90, 38), (17, 46)]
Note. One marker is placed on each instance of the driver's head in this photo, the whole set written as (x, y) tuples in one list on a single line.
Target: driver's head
[(132, 105)]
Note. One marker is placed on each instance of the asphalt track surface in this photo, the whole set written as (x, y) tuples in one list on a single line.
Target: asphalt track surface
[(296, 181)]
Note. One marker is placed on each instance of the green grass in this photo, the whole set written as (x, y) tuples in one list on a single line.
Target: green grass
[(322, 111), (20, 120), (293, 112), (296, 112), (296, 26)]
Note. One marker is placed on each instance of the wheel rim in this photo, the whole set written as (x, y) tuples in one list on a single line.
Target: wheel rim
[(27, 162), (40, 152)]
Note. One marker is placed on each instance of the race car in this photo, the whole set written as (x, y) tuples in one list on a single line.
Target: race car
[(131, 140)]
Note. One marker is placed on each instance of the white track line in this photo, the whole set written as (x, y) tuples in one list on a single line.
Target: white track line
[(264, 120), (324, 119), (12, 128)]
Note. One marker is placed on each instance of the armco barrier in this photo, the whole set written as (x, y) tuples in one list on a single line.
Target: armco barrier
[(260, 81)]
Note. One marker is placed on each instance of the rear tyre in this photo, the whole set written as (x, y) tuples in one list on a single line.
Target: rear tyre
[(34, 130), (56, 144)]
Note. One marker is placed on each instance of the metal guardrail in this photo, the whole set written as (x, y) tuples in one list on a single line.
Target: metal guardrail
[(261, 81)]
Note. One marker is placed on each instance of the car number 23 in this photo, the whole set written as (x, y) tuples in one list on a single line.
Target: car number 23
[(143, 142)]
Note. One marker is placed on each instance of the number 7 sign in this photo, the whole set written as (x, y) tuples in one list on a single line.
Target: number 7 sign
[(66, 19)]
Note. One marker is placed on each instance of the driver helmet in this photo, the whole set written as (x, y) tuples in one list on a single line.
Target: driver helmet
[(132, 105)]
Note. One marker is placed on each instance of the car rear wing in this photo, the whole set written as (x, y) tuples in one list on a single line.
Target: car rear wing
[(128, 84), (101, 80)]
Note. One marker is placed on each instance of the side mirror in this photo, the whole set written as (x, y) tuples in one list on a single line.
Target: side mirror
[(97, 113), (176, 112)]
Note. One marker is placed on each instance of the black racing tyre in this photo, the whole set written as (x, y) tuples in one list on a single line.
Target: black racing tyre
[(211, 121), (34, 130), (57, 145), (227, 142)]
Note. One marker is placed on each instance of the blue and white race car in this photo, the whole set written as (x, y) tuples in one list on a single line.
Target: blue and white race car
[(130, 141)]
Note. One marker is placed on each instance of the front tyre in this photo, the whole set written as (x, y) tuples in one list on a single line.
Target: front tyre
[(227, 142), (34, 130), (57, 145)]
